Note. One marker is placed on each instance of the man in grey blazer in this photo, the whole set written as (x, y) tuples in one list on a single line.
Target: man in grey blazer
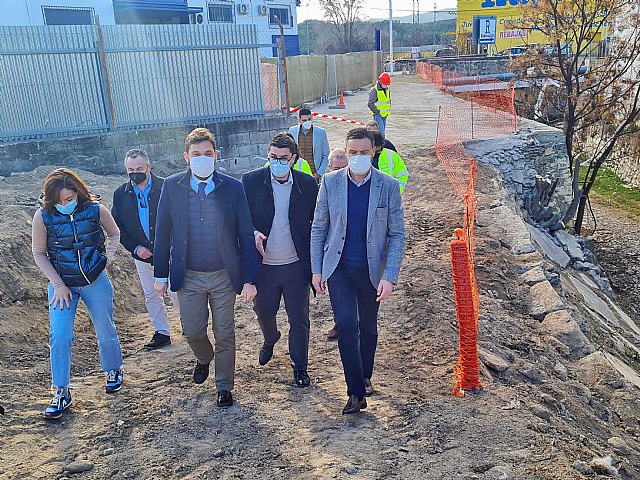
[(312, 141), (357, 245)]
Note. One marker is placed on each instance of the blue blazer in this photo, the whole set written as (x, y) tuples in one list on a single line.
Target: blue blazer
[(235, 231)]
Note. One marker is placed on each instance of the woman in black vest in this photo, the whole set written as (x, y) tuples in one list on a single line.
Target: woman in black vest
[(68, 245)]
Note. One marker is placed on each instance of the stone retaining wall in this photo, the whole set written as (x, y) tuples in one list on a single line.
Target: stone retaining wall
[(238, 142), (473, 66), (627, 168), (534, 150)]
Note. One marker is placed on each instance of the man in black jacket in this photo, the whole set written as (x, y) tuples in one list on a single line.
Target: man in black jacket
[(282, 201), (135, 205)]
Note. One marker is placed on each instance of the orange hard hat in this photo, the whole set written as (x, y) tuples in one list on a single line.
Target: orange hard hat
[(385, 79)]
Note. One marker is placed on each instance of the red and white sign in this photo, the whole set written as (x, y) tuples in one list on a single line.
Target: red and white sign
[(512, 34)]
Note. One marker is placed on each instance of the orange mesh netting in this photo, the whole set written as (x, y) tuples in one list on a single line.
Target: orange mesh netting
[(485, 110)]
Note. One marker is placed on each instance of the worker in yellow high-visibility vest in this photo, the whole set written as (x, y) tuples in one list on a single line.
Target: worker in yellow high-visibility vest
[(389, 162), (380, 101)]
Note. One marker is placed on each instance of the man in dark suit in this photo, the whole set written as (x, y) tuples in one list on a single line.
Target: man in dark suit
[(205, 246), (282, 200), (135, 205)]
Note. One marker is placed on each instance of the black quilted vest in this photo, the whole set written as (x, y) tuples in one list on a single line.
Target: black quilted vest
[(75, 244)]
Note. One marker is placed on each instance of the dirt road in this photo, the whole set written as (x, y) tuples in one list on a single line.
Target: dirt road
[(161, 425)]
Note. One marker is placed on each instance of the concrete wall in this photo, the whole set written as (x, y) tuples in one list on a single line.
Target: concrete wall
[(311, 76), (472, 65), (238, 141)]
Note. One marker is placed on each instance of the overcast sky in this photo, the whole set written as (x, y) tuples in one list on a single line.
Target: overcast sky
[(376, 8)]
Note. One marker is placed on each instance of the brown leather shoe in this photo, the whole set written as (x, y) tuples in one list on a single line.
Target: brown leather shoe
[(354, 405), (332, 334)]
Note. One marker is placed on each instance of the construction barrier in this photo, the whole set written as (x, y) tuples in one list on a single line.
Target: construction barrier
[(485, 110), (330, 117)]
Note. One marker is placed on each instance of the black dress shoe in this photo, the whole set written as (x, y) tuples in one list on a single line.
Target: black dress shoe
[(368, 388), (157, 341), (266, 352), (200, 373), (224, 399), (301, 378), (354, 405)]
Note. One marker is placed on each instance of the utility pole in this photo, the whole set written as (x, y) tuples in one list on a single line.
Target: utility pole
[(308, 39), (416, 21), (390, 38), (434, 25)]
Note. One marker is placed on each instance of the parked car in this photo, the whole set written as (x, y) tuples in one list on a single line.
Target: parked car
[(511, 52)]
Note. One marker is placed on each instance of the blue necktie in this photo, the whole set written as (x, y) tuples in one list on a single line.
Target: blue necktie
[(201, 187)]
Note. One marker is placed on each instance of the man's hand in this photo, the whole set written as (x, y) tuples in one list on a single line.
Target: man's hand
[(318, 284), (385, 287), (161, 288), (144, 252), (61, 296), (317, 176), (260, 239), (248, 292)]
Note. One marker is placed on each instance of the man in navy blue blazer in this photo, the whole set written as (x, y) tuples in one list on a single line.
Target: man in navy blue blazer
[(205, 245)]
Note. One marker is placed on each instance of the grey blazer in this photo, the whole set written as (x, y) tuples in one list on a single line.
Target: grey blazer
[(385, 226), (320, 146)]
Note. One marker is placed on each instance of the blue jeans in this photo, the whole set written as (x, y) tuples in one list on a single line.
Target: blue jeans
[(381, 121), (98, 298), (353, 300)]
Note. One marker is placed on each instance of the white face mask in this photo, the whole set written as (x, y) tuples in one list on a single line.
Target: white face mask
[(306, 125), (202, 166), (359, 164)]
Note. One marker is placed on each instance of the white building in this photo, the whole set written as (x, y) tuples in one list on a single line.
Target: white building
[(262, 13)]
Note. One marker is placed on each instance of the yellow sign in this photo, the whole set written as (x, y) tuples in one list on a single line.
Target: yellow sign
[(512, 29)]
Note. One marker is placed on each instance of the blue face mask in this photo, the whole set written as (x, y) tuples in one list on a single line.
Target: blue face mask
[(277, 169), (68, 208)]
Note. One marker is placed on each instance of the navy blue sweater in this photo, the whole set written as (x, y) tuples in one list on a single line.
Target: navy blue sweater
[(355, 243)]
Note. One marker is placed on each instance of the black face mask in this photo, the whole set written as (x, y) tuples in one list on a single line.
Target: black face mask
[(138, 177)]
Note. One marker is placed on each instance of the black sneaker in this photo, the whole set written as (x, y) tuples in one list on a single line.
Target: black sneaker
[(200, 373), (301, 378), (158, 340), (224, 399)]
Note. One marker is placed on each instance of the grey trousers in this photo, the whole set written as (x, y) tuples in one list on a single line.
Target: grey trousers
[(200, 291)]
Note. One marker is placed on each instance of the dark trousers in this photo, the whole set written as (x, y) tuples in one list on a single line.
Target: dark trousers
[(288, 281), (353, 300)]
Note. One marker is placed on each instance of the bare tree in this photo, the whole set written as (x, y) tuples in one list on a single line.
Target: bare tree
[(589, 74), (343, 14)]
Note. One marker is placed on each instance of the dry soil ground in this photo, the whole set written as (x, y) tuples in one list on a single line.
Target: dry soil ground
[(161, 425)]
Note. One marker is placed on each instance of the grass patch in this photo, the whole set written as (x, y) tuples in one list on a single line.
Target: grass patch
[(610, 190)]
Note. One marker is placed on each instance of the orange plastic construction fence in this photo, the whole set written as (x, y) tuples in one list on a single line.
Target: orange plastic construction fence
[(485, 109)]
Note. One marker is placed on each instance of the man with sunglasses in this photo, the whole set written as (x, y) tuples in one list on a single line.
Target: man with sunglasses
[(135, 204), (282, 201)]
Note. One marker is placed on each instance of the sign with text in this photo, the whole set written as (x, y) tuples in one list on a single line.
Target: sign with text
[(487, 30), (505, 34)]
